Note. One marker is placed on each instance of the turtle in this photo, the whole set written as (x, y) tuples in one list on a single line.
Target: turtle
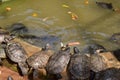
[(79, 66), (9, 78), (40, 59), (105, 5), (108, 74), (18, 29), (40, 41), (58, 62), (16, 53), (115, 38), (94, 49), (5, 35)]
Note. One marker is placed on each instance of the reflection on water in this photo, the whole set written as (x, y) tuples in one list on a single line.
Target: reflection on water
[(43, 17)]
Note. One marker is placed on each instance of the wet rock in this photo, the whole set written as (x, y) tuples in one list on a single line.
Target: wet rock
[(108, 74), (41, 41), (30, 49), (115, 38), (105, 5)]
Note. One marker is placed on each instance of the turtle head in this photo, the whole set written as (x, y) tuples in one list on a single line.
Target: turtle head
[(63, 47), (46, 47), (76, 50), (9, 78), (96, 48)]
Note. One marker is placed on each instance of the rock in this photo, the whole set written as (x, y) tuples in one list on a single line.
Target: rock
[(41, 41), (30, 49)]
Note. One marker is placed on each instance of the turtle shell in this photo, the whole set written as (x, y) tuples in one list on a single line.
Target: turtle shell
[(79, 67), (108, 74), (16, 52), (97, 63), (39, 59), (58, 61)]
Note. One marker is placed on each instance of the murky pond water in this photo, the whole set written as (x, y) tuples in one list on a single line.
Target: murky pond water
[(42, 17)]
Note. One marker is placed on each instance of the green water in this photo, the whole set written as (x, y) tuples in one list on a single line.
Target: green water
[(94, 24)]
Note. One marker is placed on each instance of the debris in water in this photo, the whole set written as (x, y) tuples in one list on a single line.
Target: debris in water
[(73, 15), (86, 2), (46, 18), (34, 14), (65, 6), (73, 43), (8, 9)]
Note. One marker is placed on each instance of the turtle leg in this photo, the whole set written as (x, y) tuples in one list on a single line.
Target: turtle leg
[(92, 75), (58, 76), (23, 69), (36, 74)]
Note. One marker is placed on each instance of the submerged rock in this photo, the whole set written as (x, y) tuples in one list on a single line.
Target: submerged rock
[(41, 41)]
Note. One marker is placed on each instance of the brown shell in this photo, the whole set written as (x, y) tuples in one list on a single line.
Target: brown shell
[(39, 59), (97, 63), (16, 52)]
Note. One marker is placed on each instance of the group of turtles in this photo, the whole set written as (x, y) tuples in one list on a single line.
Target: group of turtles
[(81, 65)]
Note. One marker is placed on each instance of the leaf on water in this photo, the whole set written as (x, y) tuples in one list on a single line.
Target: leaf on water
[(73, 15), (34, 14), (86, 2), (65, 6), (8, 8)]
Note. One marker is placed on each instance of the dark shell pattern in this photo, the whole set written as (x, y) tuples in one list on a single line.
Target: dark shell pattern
[(58, 61), (79, 67), (16, 52), (108, 74)]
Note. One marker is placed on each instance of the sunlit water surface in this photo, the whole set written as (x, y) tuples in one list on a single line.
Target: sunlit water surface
[(43, 17)]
